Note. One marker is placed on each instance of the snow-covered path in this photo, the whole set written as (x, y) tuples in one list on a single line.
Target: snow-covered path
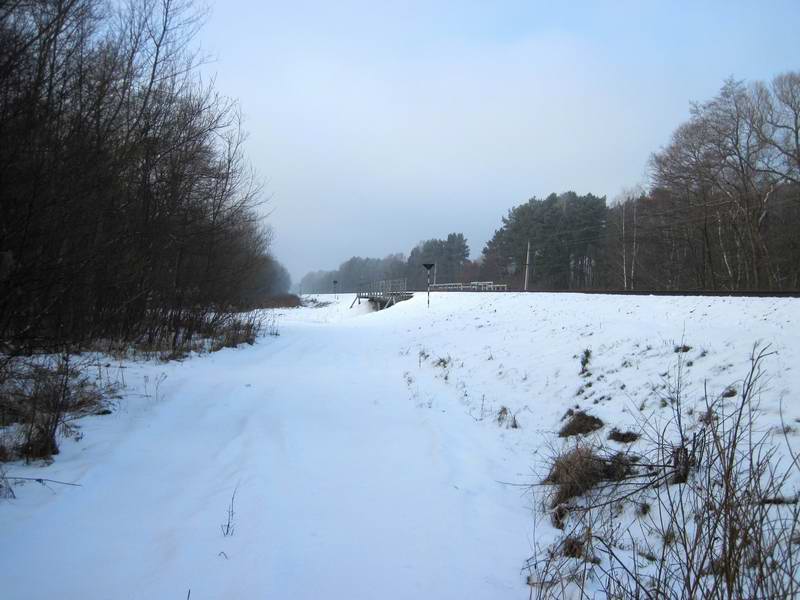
[(345, 489), (365, 449)]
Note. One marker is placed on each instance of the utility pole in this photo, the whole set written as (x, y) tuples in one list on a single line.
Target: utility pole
[(527, 264)]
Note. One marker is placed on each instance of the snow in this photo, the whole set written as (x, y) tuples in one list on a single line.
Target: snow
[(364, 447)]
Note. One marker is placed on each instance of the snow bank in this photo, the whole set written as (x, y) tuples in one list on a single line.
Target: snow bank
[(364, 447)]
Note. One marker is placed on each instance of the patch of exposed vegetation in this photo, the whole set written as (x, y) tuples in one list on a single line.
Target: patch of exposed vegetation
[(586, 357), (579, 423), (624, 437), (505, 417), (577, 470)]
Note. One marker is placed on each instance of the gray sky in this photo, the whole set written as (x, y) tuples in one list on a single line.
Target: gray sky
[(376, 125)]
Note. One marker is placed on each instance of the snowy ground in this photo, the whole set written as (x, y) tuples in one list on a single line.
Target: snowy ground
[(364, 448)]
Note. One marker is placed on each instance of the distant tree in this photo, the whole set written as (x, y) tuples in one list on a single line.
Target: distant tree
[(450, 255), (353, 274), (567, 236)]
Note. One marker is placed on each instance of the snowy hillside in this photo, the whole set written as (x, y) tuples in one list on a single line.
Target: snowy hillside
[(372, 454)]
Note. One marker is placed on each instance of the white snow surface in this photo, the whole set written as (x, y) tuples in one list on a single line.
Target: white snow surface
[(364, 447)]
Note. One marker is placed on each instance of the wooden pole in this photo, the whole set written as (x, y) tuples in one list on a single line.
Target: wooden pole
[(527, 263)]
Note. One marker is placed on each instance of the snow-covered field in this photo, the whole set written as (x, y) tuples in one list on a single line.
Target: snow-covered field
[(364, 448)]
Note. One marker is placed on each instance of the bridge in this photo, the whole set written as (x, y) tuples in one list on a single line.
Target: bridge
[(383, 293)]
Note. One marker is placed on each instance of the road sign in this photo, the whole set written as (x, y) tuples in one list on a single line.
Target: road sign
[(428, 267)]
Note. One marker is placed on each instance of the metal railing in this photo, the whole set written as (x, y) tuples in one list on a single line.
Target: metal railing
[(384, 287), (473, 286)]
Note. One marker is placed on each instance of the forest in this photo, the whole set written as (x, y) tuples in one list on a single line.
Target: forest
[(129, 214), (720, 213), (128, 209)]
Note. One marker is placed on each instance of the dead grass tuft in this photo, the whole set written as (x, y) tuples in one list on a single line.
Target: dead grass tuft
[(559, 516), (580, 423), (576, 471), (624, 437), (572, 547)]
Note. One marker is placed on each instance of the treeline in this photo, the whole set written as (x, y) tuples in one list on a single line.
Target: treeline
[(127, 208), (722, 211), (451, 256)]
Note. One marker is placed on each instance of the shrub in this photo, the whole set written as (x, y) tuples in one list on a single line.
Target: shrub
[(39, 396), (6, 453), (6, 491)]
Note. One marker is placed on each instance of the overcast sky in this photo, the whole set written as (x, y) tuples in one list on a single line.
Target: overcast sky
[(376, 125)]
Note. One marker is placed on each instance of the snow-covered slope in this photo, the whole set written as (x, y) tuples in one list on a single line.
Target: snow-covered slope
[(364, 447)]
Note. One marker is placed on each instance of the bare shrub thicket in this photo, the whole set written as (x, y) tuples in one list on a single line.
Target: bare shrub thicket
[(39, 399), (708, 509)]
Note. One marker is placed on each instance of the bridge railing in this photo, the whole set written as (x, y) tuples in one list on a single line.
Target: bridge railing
[(447, 287), (383, 287), (473, 286)]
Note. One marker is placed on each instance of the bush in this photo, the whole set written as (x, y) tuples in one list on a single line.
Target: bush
[(39, 397), (6, 491)]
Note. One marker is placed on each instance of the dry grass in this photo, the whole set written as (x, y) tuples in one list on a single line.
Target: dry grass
[(281, 301), (579, 423), (624, 437), (505, 417), (572, 547), (574, 472)]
